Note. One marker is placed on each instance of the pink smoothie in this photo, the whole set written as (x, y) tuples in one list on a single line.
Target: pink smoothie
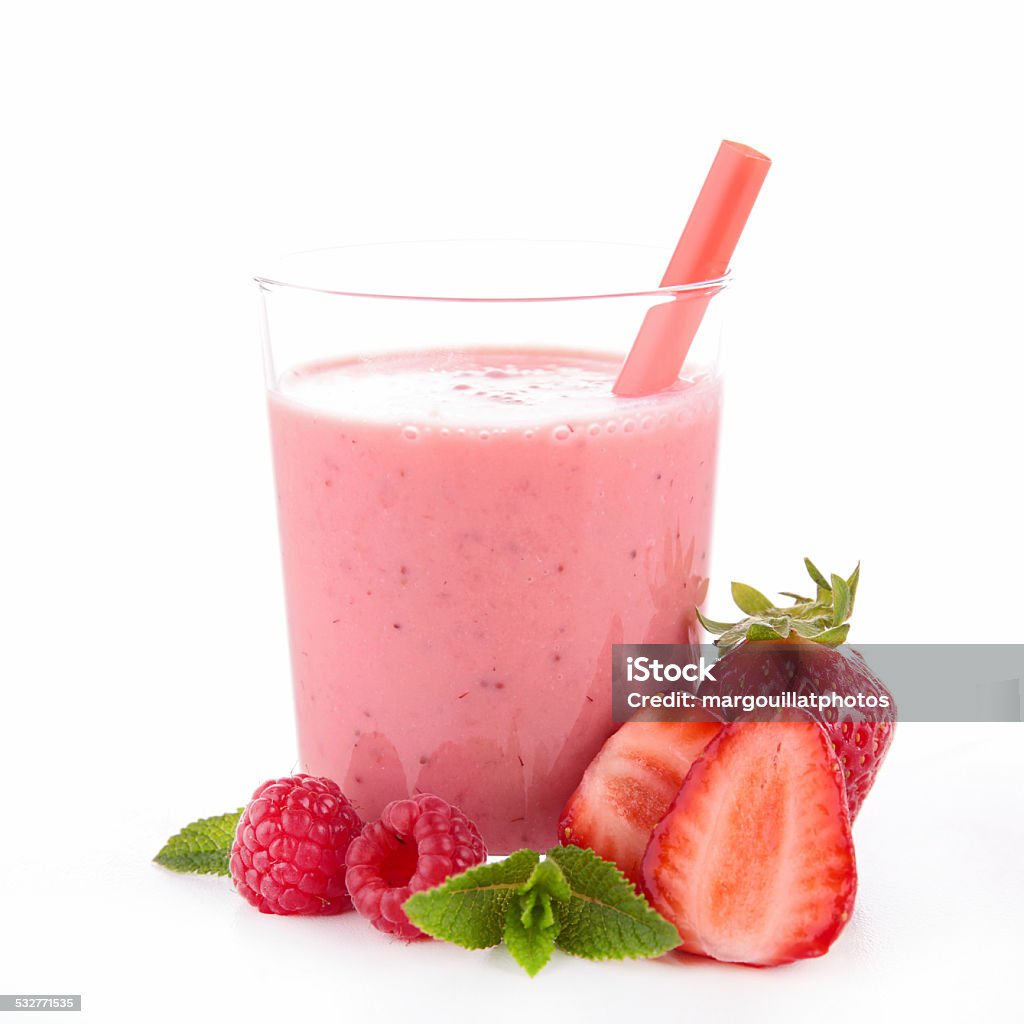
[(465, 535)]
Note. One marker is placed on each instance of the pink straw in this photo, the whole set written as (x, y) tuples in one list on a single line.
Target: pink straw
[(702, 254)]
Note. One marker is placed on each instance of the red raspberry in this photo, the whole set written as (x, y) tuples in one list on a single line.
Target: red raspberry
[(415, 845), (288, 856)]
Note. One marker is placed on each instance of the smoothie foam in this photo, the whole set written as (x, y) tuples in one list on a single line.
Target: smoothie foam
[(465, 534)]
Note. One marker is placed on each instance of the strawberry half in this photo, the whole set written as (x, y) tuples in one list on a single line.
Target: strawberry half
[(754, 861), (629, 786), (794, 649)]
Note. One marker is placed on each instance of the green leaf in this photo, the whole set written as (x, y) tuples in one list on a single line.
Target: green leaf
[(711, 625), (762, 631), (818, 619), (204, 847), (751, 601), (832, 637), (531, 924), (470, 909), (606, 917), (547, 878), (530, 937), (809, 629), (732, 636), (841, 595), (816, 575), (852, 584)]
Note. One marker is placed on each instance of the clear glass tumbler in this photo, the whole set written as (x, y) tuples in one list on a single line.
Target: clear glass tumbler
[(470, 518)]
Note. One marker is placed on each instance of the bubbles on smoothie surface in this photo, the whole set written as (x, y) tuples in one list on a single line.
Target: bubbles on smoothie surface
[(485, 391)]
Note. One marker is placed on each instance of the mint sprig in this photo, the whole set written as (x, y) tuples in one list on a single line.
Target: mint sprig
[(472, 912), (606, 919), (531, 920), (572, 900), (204, 847)]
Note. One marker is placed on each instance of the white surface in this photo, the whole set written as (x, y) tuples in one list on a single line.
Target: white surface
[(150, 153), (935, 933)]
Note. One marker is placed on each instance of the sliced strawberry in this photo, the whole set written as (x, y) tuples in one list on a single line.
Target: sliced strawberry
[(754, 861), (630, 784)]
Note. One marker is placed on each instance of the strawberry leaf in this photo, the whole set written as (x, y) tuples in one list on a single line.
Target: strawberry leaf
[(751, 601), (823, 619), (842, 600), (833, 637), (816, 575), (762, 631), (732, 636), (711, 625), (852, 584), (810, 629)]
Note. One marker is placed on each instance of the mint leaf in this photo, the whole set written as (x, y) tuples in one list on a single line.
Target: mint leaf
[(531, 923), (573, 900), (470, 909), (530, 933), (606, 918), (547, 880), (204, 847)]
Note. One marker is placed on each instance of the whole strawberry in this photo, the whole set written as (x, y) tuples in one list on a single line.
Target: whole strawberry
[(288, 856), (797, 650)]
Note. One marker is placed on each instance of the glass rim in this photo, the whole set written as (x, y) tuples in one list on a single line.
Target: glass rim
[(295, 282)]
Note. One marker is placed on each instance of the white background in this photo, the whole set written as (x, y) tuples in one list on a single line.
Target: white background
[(149, 153)]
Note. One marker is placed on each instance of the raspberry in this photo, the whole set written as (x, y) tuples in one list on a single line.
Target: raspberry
[(288, 856), (415, 845)]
